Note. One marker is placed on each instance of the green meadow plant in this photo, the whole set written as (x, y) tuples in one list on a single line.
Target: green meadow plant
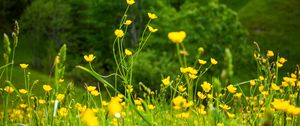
[(189, 98)]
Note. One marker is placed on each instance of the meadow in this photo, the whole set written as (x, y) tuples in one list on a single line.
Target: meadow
[(187, 98)]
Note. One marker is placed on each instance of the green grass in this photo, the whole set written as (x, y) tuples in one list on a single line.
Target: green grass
[(274, 24)]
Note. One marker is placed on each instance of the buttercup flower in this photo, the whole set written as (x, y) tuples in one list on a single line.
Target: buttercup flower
[(181, 88), (89, 58), (130, 2), (202, 62), (231, 89), (60, 97), (128, 52), (23, 91), (9, 89), (95, 93), (201, 49), (89, 118), (119, 33), (213, 61), (177, 37), (206, 86), (23, 66), (270, 53), (128, 22), (91, 88), (166, 81), (151, 107), (47, 88), (151, 29), (152, 16), (63, 112)]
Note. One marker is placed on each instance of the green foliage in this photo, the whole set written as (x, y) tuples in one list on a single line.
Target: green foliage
[(275, 26), (212, 26)]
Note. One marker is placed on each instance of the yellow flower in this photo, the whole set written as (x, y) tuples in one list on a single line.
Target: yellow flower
[(47, 88), (23, 105), (89, 58), (210, 96), (238, 95), (224, 107), (193, 76), (41, 101), (128, 52), (206, 86), (95, 93), (201, 50), (23, 91), (91, 88), (261, 78), (137, 102), (60, 97), (89, 118), (270, 53), (166, 81), (201, 95), (213, 61), (275, 87), (61, 80), (202, 62), (279, 65), (181, 88), (188, 70), (9, 89), (178, 102), (140, 108), (130, 2), (128, 22), (151, 29), (231, 89), (252, 82), (177, 37), (282, 60), (151, 107), (114, 107), (220, 124), (63, 112), (23, 66), (230, 115), (104, 103), (152, 16), (119, 33)]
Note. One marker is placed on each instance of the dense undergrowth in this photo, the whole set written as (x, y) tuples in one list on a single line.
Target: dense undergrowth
[(188, 98)]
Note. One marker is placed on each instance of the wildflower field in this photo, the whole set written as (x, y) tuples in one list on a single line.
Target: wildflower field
[(186, 98)]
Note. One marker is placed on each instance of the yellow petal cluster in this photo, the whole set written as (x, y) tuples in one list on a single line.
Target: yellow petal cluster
[(128, 52), (119, 33), (89, 58), (152, 16), (177, 37), (231, 89), (151, 29), (270, 53), (114, 106), (180, 102), (47, 88), (127, 22), (166, 81), (206, 86), (89, 118), (130, 2), (23, 66)]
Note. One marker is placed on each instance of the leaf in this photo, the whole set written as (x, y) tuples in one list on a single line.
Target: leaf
[(98, 77)]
